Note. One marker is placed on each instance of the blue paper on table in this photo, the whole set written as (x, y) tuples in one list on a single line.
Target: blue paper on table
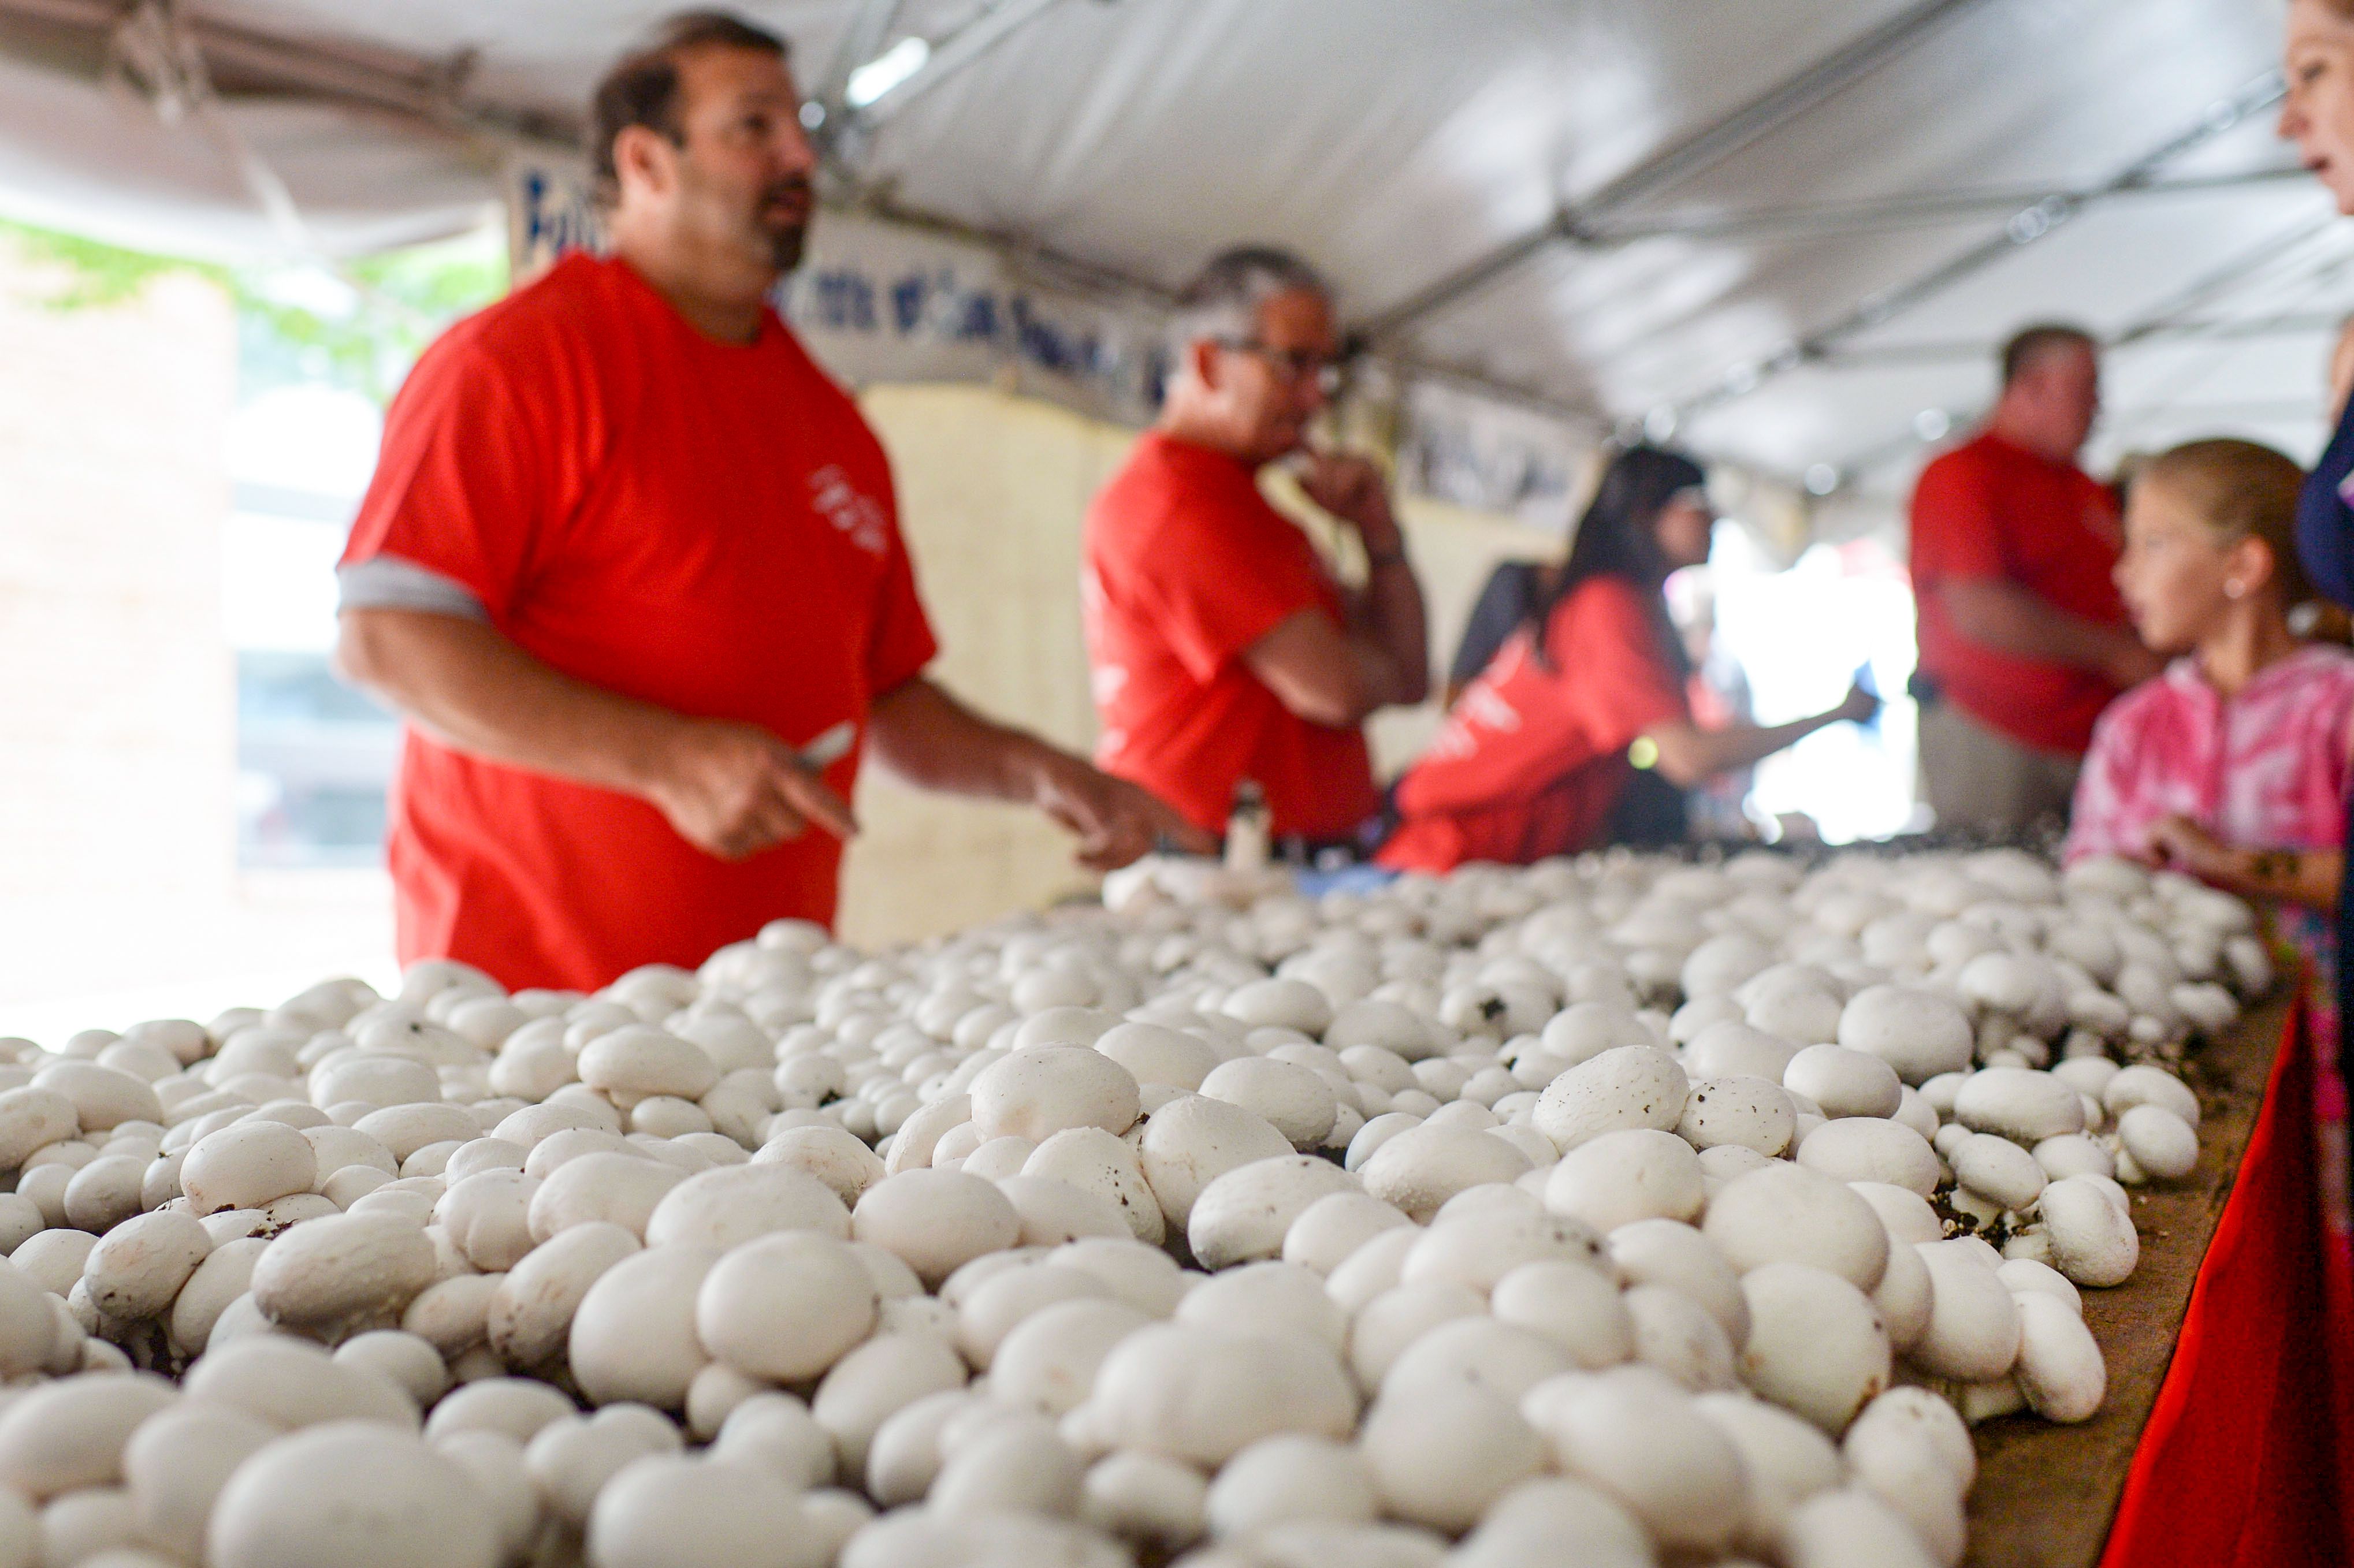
[(1864, 681), (1348, 879)]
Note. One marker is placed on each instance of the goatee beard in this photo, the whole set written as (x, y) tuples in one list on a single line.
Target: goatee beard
[(785, 247)]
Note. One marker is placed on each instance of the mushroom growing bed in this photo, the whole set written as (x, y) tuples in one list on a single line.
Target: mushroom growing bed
[(1609, 1211)]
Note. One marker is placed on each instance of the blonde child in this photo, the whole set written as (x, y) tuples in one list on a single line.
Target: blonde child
[(2233, 765)]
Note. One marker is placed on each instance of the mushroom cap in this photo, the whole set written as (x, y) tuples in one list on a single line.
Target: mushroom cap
[(354, 1493)]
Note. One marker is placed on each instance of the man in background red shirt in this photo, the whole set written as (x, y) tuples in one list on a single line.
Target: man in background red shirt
[(2023, 638), (1222, 646), (631, 566)]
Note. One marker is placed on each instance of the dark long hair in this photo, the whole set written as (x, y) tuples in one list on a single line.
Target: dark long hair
[(1617, 537)]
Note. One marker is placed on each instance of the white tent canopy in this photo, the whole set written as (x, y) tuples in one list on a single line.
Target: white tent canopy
[(1790, 234)]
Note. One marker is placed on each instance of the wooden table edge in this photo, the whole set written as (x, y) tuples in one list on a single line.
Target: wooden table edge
[(2047, 1494)]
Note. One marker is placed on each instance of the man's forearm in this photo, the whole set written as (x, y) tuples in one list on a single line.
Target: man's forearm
[(930, 740), (1393, 621), (2010, 619), (472, 686)]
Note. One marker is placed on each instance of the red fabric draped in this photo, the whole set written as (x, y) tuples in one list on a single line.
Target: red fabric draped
[(2241, 1464)]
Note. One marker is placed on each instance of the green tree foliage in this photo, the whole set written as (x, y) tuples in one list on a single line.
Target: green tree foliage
[(357, 323)]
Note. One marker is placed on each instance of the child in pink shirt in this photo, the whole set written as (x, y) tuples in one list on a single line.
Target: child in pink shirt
[(2233, 765)]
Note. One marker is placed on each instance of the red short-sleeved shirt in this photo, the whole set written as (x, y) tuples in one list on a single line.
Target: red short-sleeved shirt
[(706, 527), (1991, 510), (1186, 565), (1531, 759)]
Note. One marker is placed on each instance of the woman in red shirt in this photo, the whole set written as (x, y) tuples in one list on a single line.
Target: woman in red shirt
[(1535, 752)]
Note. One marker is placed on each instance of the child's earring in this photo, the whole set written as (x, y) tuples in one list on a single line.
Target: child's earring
[(2235, 590)]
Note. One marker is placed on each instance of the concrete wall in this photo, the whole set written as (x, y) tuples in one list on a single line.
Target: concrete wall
[(993, 489)]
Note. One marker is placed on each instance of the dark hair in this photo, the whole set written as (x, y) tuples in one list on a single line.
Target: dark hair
[(643, 87), (1616, 537), (2031, 343)]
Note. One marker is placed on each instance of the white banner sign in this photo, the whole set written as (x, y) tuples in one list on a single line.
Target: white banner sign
[(884, 302), (1480, 454), (881, 301), (549, 212)]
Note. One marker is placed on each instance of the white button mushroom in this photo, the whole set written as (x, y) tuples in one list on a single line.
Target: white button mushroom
[(1786, 1460), (1200, 1395), (2142, 1085), (1442, 1451), (1095, 1162), (1631, 1087), (1999, 1169), (1751, 1113), (2092, 1240), (1242, 1216), (175, 1465), (1918, 1033), (1869, 1148), (2020, 1103), (1292, 1475), (1424, 1167), (1973, 1332), (2060, 1370), (531, 1313), (633, 1335), (2161, 1144), (730, 1204), (876, 1381), (1849, 1527), (1036, 1093), (1638, 1173), (1291, 1099), (68, 1435), (246, 1165), (1787, 1213), (359, 1494), (785, 1307), (1844, 1082), (138, 1267), (342, 1272), (1816, 1343), (572, 1457), (1636, 1436), (1527, 1527)]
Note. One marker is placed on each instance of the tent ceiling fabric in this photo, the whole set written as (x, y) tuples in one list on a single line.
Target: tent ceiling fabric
[(78, 157), (1809, 155)]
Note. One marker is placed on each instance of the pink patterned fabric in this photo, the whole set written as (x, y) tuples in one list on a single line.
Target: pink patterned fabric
[(2265, 769)]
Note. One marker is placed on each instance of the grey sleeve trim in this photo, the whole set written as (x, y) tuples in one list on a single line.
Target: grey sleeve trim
[(388, 582)]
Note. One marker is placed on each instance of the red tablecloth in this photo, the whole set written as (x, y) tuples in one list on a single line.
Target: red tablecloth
[(2241, 1465)]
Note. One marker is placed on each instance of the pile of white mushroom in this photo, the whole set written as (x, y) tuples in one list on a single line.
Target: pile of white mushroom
[(1612, 1212)]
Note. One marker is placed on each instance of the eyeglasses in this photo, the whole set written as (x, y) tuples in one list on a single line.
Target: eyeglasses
[(1293, 364)]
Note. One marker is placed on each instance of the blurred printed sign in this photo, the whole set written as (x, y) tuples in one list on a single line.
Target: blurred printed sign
[(550, 210), (884, 302), (1492, 456), (879, 301)]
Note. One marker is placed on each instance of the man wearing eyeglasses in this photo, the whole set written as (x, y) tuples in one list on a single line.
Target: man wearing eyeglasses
[(1223, 647)]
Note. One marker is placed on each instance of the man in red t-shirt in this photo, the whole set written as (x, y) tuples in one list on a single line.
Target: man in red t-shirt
[(1223, 647), (2023, 638), (631, 566)]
